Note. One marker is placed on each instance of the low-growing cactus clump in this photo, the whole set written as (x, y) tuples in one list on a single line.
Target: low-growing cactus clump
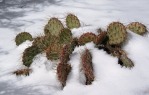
[(58, 44), (22, 37), (137, 27)]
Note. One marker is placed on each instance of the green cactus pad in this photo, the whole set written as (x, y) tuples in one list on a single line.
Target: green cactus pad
[(53, 51), (72, 21), (29, 54), (125, 61), (87, 37), (53, 27), (65, 36), (116, 33), (137, 27), (22, 37)]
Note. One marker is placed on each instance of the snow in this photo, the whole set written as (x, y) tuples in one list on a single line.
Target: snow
[(110, 78)]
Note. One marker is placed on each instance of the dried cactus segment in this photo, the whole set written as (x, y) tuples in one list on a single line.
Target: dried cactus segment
[(87, 37), (29, 54), (137, 27), (72, 21), (22, 37), (24, 72), (86, 60), (65, 36), (125, 61), (53, 51), (101, 38), (53, 27), (116, 32), (63, 71)]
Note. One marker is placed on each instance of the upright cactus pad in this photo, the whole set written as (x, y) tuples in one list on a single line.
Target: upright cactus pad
[(53, 27), (53, 51), (63, 71), (86, 60), (137, 27), (29, 54), (22, 37), (72, 21), (116, 33), (87, 37), (65, 36)]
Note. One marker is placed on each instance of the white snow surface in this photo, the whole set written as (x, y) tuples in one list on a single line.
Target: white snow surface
[(110, 77)]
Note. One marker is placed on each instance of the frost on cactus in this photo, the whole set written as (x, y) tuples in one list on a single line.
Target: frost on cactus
[(116, 33), (137, 27), (65, 36), (53, 27), (29, 54), (86, 60), (63, 71), (53, 51), (22, 37), (72, 21), (87, 37)]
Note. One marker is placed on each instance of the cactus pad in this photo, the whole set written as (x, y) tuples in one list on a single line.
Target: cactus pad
[(29, 54), (116, 33), (86, 60), (53, 27), (125, 61), (65, 36), (22, 37), (101, 38), (53, 51), (87, 37), (63, 71), (137, 27), (72, 21)]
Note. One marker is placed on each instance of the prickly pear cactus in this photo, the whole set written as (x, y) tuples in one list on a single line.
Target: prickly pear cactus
[(86, 60), (53, 27), (65, 36), (22, 37), (53, 51), (137, 27), (63, 70), (72, 21), (29, 54), (116, 33), (87, 37)]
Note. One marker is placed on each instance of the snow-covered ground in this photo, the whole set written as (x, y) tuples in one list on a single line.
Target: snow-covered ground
[(110, 78)]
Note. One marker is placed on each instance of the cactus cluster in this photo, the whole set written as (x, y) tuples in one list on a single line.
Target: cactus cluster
[(58, 44), (137, 27), (22, 37)]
